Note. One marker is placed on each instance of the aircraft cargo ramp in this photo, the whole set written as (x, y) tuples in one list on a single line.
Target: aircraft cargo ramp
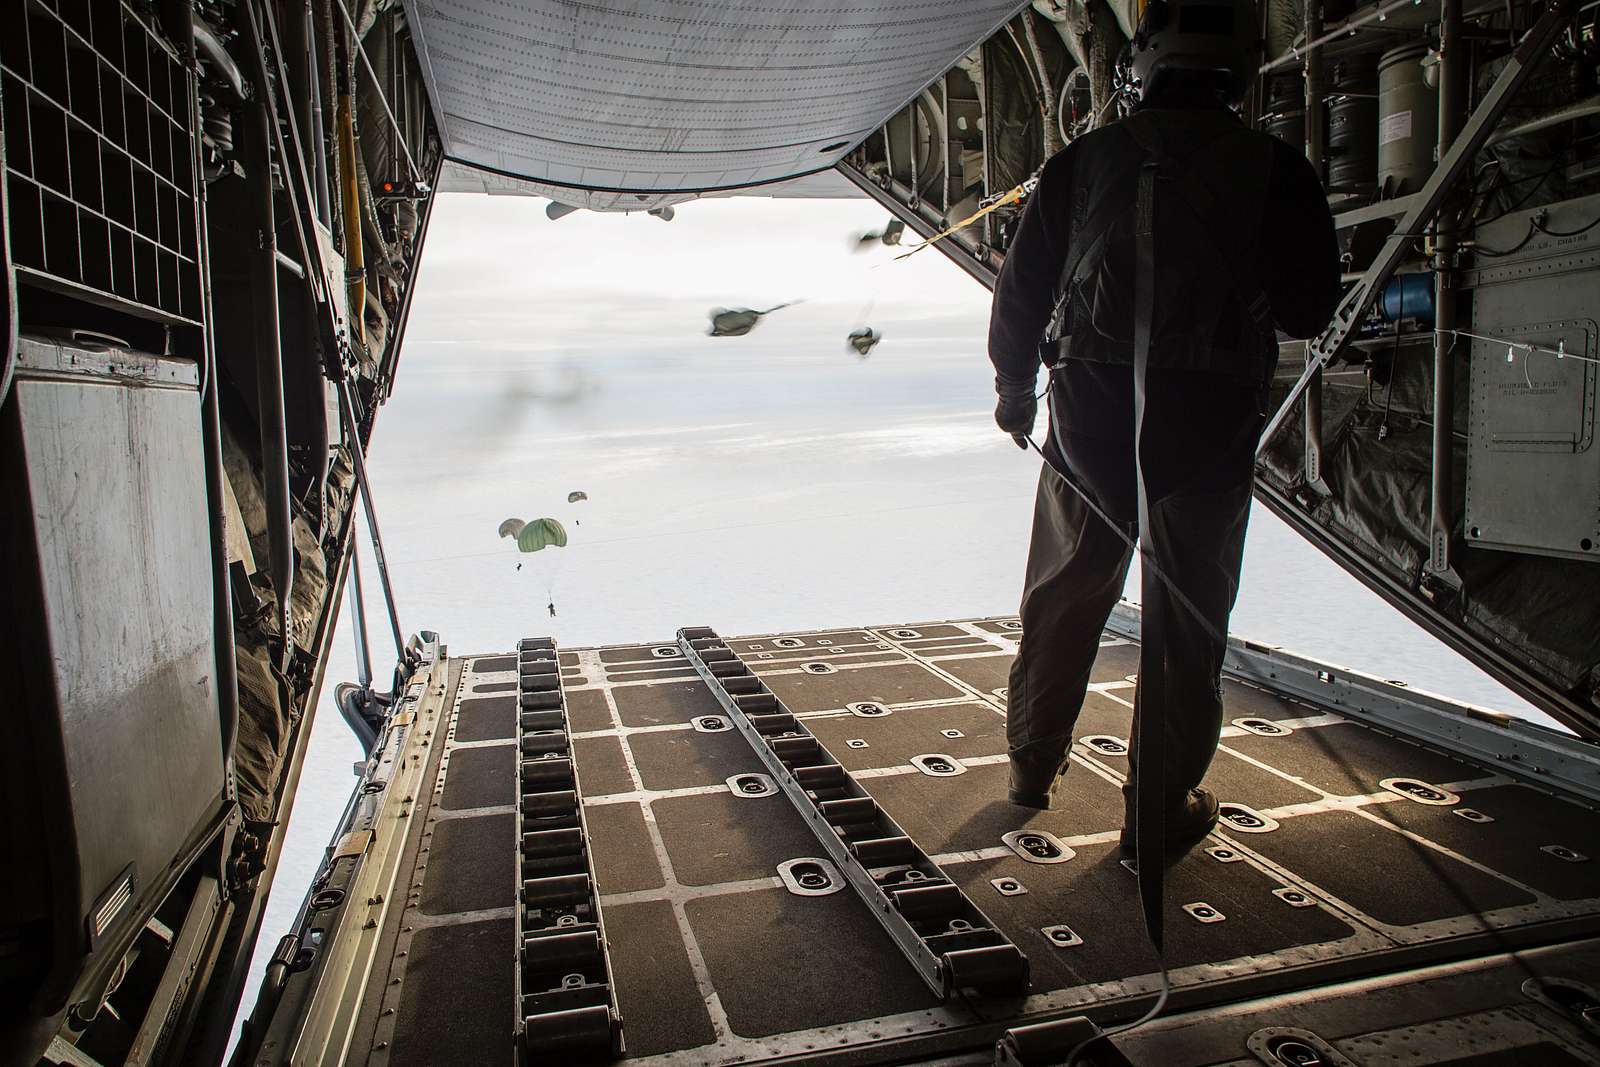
[(1394, 874)]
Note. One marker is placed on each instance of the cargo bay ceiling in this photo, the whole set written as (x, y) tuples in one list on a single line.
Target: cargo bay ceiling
[(655, 101)]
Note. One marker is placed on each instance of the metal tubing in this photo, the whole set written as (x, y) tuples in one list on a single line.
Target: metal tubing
[(944, 141), (349, 187), (298, 60), (911, 148), (355, 272), (358, 460), (358, 617), (225, 654), (1314, 43), (274, 434), (316, 132), (207, 44), (258, 38), (1452, 106), (1424, 205), (1316, 152), (1566, 113), (377, 87)]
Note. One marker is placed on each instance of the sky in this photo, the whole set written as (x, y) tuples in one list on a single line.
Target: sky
[(754, 484)]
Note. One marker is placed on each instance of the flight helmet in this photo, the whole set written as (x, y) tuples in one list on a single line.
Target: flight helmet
[(1198, 38)]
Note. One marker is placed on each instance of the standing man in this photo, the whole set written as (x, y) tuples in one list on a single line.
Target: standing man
[(1230, 231)]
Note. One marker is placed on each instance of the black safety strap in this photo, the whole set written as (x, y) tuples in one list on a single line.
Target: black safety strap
[(1150, 739), (1086, 235), (1199, 200)]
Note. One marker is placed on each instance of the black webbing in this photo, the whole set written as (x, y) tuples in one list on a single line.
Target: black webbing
[(1150, 739)]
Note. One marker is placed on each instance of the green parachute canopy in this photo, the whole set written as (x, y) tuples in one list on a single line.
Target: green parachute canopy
[(511, 527), (577, 495), (540, 534), (736, 322)]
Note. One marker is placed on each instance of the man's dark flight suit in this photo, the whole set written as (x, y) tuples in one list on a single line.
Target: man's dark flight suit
[(1207, 393)]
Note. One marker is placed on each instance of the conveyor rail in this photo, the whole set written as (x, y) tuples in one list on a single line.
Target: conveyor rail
[(952, 944), (566, 1001)]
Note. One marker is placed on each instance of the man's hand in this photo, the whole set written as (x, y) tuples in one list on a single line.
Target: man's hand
[(1017, 409)]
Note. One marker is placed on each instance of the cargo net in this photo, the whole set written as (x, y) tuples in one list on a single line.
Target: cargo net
[(100, 163)]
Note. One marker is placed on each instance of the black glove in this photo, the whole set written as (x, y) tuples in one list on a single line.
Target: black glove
[(1017, 408)]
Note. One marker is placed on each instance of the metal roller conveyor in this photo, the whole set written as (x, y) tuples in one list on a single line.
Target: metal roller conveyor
[(534, 721), (566, 1006), (565, 1032), (539, 701), (940, 930)]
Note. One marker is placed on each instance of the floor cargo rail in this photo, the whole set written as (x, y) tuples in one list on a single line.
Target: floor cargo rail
[(940, 930), (566, 1004)]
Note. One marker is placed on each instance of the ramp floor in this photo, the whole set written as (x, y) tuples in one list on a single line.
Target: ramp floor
[(1321, 868)]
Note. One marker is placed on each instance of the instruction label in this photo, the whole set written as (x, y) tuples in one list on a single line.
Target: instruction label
[(1396, 127)]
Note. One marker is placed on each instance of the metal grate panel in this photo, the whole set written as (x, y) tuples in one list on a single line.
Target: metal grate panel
[(100, 169)]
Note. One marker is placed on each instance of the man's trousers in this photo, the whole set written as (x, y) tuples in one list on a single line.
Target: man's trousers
[(1199, 470)]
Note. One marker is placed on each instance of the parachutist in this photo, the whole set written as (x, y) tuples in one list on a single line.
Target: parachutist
[(552, 607)]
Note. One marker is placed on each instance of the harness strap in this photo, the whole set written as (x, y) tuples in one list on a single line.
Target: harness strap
[(1082, 240), (1150, 739), (1203, 204)]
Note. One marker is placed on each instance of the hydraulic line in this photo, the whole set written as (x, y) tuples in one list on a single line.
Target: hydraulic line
[(1452, 110), (358, 618), (350, 188)]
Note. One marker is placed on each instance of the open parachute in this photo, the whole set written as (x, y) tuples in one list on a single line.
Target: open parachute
[(536, 535), (736, 322), (863, 340), (577, 495)]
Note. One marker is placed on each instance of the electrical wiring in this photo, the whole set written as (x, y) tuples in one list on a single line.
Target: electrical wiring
[(1533, 228), (1566, 233)]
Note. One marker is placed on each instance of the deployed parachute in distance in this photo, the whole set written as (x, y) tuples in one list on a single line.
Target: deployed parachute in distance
[(536, 535), (891, 233), (577, 495), (736, 322), (863, 340)]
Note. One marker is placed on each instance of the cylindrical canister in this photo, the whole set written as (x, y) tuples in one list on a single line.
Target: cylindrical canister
[(1408, 121), (1286, 111), (1408, 296), (1352, 118)]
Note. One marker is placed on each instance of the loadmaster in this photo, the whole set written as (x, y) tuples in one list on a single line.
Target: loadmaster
[(1168, 250)]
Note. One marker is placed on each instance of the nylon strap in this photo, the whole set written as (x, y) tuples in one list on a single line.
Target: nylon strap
[(1150, 739), (1199, 200), (1082, 241)]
